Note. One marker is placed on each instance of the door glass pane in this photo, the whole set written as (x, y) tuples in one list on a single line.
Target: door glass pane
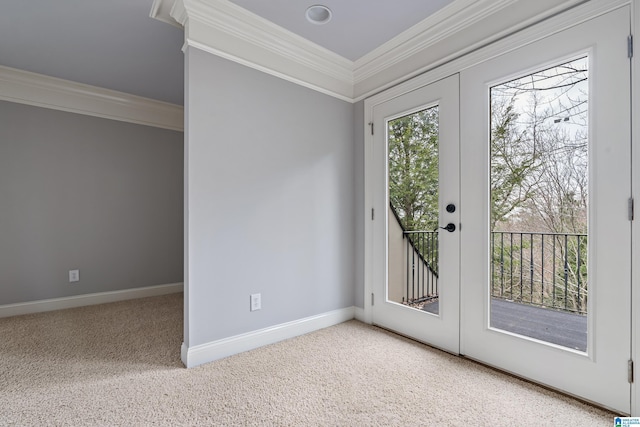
[(413, 210), (539, 205)]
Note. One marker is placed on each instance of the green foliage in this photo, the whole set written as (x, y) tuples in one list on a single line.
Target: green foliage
[(413, 169)]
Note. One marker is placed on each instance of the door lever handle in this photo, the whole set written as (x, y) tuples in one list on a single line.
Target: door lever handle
[(451, 227)]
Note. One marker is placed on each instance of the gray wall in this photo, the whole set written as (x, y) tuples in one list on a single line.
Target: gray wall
[(79, 192), (271, 201)]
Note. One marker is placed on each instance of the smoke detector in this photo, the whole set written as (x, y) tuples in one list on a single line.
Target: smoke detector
[(318, 14)]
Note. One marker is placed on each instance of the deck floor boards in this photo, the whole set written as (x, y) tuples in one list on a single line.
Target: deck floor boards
[(553, 326)]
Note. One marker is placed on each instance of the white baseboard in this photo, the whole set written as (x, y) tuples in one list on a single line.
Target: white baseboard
[(88, 299), (359, 314), (199, 354)]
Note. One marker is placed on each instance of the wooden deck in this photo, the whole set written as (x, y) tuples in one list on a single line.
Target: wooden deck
[(557, 327)]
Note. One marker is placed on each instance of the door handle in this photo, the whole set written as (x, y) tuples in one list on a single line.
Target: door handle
[(451, 227)]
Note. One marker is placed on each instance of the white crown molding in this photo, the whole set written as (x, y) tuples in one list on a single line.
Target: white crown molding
[(170, 11), (316, 85), (429, 50), (208, 352), (41, 306), (451, 19), (225, 29), (587, 11), (161, 10), (49, 92), (178, 12), (230, 31)]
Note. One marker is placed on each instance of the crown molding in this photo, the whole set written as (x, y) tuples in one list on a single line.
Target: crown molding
[(49, 92), (459, 32), (232, 32), (162, 11), (585, 12), (170, 11), (452, 19), (315, 84), (227, 30)]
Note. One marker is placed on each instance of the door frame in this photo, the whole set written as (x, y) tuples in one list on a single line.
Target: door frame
[(635, 228), (537, 31)]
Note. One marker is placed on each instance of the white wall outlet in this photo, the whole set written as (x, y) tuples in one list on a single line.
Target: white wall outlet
[(74, 275), (256, 302)]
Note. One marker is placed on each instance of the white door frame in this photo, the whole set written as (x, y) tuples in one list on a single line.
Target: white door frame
[(635, 228)]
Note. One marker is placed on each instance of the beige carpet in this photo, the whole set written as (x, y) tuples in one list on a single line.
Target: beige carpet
[(118, 365)]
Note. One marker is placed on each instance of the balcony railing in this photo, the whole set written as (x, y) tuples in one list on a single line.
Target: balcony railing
[(542, 269), (422, 266)]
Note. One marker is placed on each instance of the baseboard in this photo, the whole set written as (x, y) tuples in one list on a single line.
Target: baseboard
[(197, 355), (359, 314), (88, 299)]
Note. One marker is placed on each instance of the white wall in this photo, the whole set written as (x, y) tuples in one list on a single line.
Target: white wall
[(270, 200)]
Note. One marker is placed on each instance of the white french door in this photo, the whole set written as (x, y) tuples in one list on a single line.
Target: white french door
[(528, 156), (588, 129), (416, 264)]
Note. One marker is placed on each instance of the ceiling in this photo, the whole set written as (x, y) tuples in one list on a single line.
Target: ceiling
[(357, 26), (114, 44)]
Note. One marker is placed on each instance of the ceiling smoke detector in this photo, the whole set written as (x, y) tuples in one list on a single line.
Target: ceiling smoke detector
[(318, 14)]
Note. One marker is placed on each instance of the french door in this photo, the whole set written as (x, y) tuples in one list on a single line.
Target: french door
[(416, 267), (501, 227), (569, 100)]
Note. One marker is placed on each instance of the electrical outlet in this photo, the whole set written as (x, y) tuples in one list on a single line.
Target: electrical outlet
[(74, 275), (256, 302)]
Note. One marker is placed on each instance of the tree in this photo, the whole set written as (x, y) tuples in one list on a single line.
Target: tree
[(513, 160), (413, 169), (539, 183)]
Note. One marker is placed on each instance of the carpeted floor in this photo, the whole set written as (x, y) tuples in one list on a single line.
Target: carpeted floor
[(119, 365)]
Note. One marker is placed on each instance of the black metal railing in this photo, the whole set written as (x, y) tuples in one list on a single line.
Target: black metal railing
[(422, 266), (542, 269)]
